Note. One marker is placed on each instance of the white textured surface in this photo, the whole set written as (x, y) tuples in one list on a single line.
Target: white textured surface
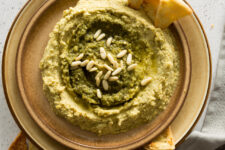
[(8, 128), (215, 119), (212, 134), (212, 17), (210, 12)]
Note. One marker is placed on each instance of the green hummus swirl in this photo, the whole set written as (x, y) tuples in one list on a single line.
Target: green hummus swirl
[(125, 36), (72, 93)]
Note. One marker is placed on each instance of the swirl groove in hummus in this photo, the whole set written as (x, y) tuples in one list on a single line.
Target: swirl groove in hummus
[(73, 93)]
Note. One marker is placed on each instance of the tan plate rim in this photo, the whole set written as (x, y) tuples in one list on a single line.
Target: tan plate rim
[(10, 107), (210, 77), (3, 76)]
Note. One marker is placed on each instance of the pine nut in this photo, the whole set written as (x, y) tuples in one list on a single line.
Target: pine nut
[(113, 78), (93, 69), (98, 81), (100, 37), (107, 75), (84, 63), (131, 67), (129, 59), (117, 71), (90, 65), (110, 58), (97, 33), (109, 41), (107, 67), (102, 53), (146, 81), (99, 75), (99, 93), (75, 64), (122, 53), (80, 57), (105, 85)]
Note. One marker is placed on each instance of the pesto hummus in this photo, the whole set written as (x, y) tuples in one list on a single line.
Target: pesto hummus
[(107, 69)]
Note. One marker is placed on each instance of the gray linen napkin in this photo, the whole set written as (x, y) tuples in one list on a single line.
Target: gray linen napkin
[(212, 135)]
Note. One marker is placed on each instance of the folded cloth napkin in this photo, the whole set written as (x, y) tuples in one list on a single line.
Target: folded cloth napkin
[(212, 135)]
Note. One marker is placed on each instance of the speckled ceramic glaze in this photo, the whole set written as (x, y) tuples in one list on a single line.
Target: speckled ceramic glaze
[(198, 88)]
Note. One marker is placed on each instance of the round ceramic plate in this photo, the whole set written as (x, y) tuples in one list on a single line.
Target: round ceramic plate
[(194, 103), (29, 54)]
